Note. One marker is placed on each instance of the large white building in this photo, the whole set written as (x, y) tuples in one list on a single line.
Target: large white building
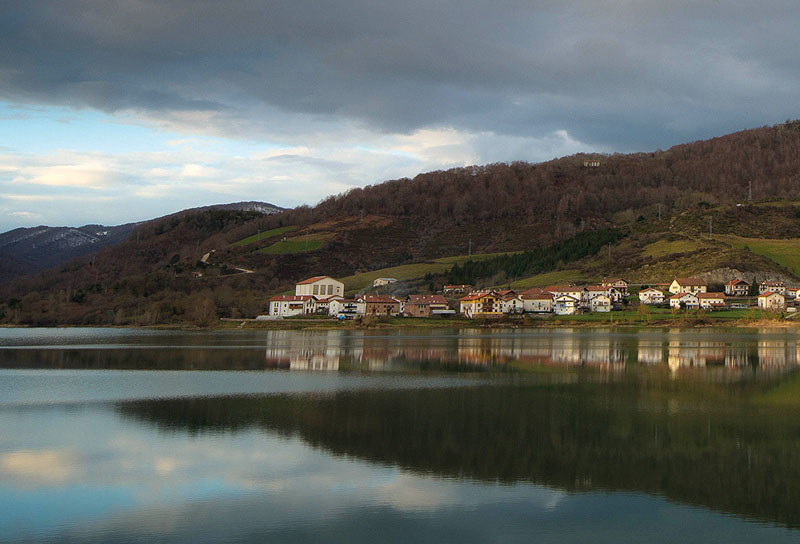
[(320, 287)]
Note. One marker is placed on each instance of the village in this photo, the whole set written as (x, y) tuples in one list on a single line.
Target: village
[(323, 295)]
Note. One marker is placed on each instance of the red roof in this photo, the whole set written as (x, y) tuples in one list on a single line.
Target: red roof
[(681, 295), (711, 295), (694, 282), (733, 283), (378, 299), (561, 288), (426, 299), (312, 280), (538, 296), (477, 296), (768, 293)]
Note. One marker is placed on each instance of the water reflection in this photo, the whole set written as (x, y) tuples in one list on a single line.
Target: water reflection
[(677, 349)]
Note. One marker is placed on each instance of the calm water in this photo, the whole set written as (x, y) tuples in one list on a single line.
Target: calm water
[(406, 436)]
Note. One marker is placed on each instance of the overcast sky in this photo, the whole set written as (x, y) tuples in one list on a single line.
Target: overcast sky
[(116, 111)]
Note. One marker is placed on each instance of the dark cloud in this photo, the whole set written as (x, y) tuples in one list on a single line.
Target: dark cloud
[(631, 74)]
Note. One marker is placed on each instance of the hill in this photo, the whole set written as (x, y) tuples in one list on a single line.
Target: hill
[(201, 264), (25, 251)]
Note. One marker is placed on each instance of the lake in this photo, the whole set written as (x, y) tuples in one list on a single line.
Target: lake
[(470, 435)]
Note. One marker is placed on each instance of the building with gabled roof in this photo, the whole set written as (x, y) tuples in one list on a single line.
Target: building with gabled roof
[(772, 287), (709, 301), (688, 285), (737, 288), (481, 305), (426, 305), (771, 301), (319, 286), (289, 305), (685, 300)]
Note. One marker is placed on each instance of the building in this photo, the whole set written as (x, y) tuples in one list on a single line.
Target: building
[(320, 287), (617, 283), (684, 300), (688, 285), (456, 289), (289, 305), (512, 304), (322, 305), (772, 287), (346, 308), (538, 303), (380, 304), (771, 301), (600, 303), (709, 301), (481, 305), (380, 282), (651, 295), (566, 304), (569, 290), (737, 288), (426, 306)]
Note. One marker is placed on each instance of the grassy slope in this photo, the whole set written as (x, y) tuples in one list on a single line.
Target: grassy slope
[(784, 252), (297, 244), (262, 236)]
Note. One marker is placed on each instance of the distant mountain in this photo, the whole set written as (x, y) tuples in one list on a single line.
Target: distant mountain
[(25, 251), (30, 250)]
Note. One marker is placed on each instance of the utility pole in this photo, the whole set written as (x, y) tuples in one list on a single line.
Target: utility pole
[(711, 227), (749, 190), (659, 213), (609, 251), (470, 248)]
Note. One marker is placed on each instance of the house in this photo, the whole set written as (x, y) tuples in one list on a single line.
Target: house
[(569, 290), (709, 301), (684, 300), (380, 282), (426, 305), (319, 286), (511, 304), (791, 293), (651, 295), (340, 307), (481, 305), (771, 301), (772, 287), (566, 304), (737, 288), (617, 283), (322, 305), (456, 289), (288, 305), (380, 304), (688, 285), (537, 302), (601, 303)]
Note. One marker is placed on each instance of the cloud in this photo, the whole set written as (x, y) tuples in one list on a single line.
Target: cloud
[(511, 68)]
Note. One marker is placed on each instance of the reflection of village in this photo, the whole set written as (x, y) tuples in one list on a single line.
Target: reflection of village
[(675, 349)]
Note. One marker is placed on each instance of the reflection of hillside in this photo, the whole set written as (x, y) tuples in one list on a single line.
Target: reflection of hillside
[(617, 437)]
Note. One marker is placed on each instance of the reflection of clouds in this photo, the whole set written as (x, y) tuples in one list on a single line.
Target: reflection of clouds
[(164, 474), (39, 468)]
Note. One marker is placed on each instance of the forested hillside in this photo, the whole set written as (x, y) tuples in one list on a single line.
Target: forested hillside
[(200, 265)]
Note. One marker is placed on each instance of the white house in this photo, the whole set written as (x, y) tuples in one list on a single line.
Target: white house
[(685, 300), (346, 307), (537, 303), (600, 303), (651, 295), (617, 283), (709, 301), (566, 304), (380, 282), (512, 304), (737, 288), (288, 305), (771, 301), (320, 287), (569, 290), (772, 287), (688, 285)]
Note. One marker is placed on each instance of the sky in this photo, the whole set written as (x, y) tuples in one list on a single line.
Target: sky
[(119, 111)]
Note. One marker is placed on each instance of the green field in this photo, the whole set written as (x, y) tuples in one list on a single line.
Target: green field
[(262, 236), (413, 271), (548, 278), (784, 252), (298, 244), (663, 248)]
